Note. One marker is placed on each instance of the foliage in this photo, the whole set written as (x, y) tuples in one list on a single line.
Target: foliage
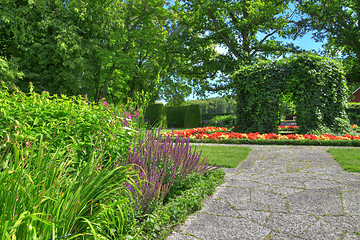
[(349, 159), (66, 120), (161, 164), (226, 156), (184, 200), (316, 85), (217, 105), (113, 49), (155, 115), (353, 112), (193, 116), (337, 23), (9, 71), (43, 197), (246, 29), (176, 116), (287, 109), (221, 121)]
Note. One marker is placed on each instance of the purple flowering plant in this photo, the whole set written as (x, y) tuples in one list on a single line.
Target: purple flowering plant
[(162, 162)]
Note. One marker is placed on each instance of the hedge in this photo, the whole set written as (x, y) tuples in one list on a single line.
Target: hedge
[(184, 116), (176, 116), (353, 112), (155, 115), (193, 116)]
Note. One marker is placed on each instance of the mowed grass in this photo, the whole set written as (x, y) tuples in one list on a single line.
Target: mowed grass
[(348, 158), (229, 157)]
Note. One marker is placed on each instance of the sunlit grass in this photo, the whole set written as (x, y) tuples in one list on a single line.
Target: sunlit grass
[(227, 156), (348, 158)]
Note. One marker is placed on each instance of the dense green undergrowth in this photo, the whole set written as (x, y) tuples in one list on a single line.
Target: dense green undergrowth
[(81, 170)]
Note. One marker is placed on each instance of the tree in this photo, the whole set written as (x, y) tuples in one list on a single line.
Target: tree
[(115, 49), (47, 47), (338, 23), (247, 29)]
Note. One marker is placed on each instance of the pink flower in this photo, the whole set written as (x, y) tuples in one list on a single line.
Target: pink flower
[(105, 103)]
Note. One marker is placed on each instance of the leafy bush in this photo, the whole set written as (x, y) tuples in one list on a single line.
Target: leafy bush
[(221, 121), (155, 115), (315, 84), (193, 116), (176, 116), (217, 105), (67, 185), (66, 120), (353, 112)]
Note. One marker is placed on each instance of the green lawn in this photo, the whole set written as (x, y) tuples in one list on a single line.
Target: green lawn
[(349, 159), (229, 157), (171, 129)]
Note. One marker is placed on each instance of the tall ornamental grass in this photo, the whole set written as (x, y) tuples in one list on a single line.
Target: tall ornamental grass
[(162, 163), (43, 197)]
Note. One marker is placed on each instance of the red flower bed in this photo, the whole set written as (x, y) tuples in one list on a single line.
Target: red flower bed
[(217, 133), (288, 127)]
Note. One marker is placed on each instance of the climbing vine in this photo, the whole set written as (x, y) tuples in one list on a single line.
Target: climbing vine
[(316, 85)]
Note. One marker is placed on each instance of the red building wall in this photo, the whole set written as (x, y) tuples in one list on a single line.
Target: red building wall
[(355, 97)]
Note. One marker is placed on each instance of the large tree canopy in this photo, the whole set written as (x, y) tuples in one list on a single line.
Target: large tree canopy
[(247, 29), (114, 49), (337, 22), (145, 49)]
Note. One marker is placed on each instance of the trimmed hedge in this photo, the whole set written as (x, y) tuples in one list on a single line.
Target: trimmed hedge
[(193, 116), (155, 115), (184, 116), (176, 116)]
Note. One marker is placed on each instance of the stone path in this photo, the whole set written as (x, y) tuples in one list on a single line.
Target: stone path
[(280, 192)]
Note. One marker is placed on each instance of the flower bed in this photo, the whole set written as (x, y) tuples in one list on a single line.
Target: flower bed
[(213, 134)]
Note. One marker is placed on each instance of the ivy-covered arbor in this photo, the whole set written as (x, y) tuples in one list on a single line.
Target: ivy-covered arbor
[(315, 84)]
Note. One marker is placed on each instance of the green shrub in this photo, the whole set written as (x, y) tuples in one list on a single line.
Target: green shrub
[(193, 116), (65, 120), (155, 115), (353, 112), (176, 116), (221, 121), (313, 83)]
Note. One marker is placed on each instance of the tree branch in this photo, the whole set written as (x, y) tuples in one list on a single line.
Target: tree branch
[(262, 41), (227, 42)]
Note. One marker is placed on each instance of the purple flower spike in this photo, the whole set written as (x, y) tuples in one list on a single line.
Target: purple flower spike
[(161, 162)]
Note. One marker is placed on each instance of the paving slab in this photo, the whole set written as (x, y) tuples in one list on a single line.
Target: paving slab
[(280, 192)]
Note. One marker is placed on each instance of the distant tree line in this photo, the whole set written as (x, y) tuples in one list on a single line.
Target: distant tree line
[(217, 105)]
